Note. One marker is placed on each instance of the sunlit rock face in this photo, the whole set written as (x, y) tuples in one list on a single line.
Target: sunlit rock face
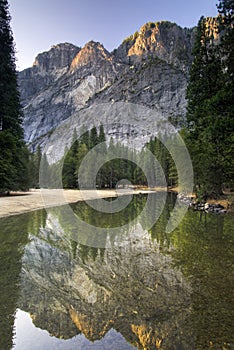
[(131, 286), (164, 40), (92, 53)]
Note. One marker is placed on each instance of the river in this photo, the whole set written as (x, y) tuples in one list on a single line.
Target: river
[(135, 288)]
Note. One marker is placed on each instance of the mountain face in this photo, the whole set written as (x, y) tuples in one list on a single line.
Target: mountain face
[(47, 67), (165, 40), (150, 68)]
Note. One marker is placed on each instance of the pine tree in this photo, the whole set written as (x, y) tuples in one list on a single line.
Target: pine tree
[(75, 143), (101, 136), (10, 113), (14, 155), (101, 154), (81, 153), (85, 137), (209, 123), (45, 174), (226, 29), (223, 102), (93, 137), (69, 171), (205, 79), (35, 160)]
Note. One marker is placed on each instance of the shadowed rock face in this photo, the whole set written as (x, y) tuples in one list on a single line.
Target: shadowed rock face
[(59, 56), (131, 287), (47, 67)]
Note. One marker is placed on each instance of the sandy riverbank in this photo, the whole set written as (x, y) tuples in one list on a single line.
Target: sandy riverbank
[(22, 202)]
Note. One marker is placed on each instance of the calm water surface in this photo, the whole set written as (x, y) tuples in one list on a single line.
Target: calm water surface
[(141, 289)]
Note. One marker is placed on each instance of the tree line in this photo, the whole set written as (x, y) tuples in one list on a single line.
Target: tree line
[(117, 162)]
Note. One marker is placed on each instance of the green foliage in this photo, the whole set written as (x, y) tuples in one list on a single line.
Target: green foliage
[(102, 136), (13, 238), (14, 155), (226, 29), (122, 166), (226, 9), (203, 252), (13, 163), (210, 113), (93, 137), (7, 169), (35, 160), (69, 168), (167, 24), (111, 172), (165, 160), (44, 174), (131, 37), (85, 138)]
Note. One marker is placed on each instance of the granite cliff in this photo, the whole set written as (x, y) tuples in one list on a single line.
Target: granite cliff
[(149, 68)]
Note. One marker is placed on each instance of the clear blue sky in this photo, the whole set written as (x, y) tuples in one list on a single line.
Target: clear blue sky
[(39, 24)]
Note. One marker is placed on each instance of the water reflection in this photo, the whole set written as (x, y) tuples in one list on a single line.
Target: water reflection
[(42, 340), (204, 252), (13, 238), (145, 290)]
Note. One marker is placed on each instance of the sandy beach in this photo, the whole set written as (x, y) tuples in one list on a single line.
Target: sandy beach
[(22, 202)]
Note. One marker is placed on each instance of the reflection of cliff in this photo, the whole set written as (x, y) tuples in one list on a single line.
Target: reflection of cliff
[(130, 287)]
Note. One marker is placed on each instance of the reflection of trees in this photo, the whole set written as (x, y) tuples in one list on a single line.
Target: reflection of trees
[(99, 219), (86, 253), (158, 230), (37, 220), (204, 252), (13, 237), (115, 224)]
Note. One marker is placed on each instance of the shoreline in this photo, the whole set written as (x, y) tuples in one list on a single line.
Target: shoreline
[(23, 202)]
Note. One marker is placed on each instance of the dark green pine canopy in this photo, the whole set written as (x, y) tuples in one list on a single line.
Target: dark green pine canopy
[(13, 155), (210, 121)]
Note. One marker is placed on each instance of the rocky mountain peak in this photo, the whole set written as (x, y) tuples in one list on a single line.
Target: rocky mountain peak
[(165, 40), (59, 56), (47, 68), (92, 52)]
